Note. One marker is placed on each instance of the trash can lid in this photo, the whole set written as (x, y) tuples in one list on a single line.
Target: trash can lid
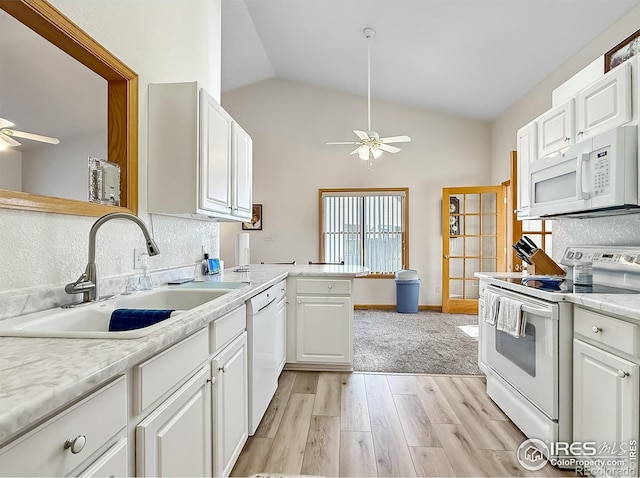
[(406, 274)]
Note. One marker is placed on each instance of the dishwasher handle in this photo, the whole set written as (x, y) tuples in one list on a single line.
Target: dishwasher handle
[(266, 305)]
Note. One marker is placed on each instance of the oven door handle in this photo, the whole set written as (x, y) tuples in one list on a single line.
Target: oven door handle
[(536, 311)]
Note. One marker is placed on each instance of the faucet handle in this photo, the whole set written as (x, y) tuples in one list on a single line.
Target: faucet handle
[(79, 286)]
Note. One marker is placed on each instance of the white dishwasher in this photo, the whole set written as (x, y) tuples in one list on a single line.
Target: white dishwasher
[(262, 337)]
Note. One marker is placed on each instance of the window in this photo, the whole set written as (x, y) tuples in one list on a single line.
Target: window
[(365, 227), (539, 231)]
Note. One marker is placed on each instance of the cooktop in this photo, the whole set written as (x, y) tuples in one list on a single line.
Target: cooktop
[(559, 285)]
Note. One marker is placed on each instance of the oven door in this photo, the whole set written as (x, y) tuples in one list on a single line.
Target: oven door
[(529, 363)]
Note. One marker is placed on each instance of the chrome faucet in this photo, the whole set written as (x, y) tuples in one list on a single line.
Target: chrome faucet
[(87, 283)]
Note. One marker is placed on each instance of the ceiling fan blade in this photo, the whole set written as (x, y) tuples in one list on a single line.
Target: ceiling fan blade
[(31, 136), (361, 134), (345, 142), (388, 148), (5, 123), (356, 150), (396, 139), (6, 140)]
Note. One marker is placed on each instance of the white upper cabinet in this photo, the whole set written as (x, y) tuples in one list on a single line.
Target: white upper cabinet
[(605, 104), (200, 159), (556, 129), (527, 153)]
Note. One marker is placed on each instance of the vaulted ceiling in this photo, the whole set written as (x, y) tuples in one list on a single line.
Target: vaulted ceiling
[(472, 58)]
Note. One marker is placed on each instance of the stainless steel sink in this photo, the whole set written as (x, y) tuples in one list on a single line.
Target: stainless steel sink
[(92, 321)]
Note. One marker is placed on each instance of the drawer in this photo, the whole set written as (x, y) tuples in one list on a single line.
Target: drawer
[(226, 328), (324, 286), (158, 375), (281, 289), (615, 333), (112, 463), (98, 418)]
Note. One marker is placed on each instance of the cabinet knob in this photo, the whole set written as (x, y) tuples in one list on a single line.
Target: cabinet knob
[(223, 368), (330, 286), (76, 444), (567, 139), (299, 302), (595, 329), (622, 374), (580, 133)]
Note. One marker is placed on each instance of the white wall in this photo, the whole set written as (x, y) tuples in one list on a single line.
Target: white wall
[(11, 169), (290, 124), (168, 40), (62, 172)]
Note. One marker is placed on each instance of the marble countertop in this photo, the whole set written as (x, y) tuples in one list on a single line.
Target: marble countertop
[(623, 305), (38, 376)]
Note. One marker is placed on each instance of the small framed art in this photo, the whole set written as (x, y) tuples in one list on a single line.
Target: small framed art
[(256, 219)]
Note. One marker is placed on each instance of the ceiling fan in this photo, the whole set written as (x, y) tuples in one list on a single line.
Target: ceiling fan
[(371, 145), (7, 135)]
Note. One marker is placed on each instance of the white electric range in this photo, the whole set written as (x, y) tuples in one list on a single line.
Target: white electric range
[(530, 377)]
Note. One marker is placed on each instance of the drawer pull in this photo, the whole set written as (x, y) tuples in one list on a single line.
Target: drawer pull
[(76, 444), (595, 329), (622, 374)]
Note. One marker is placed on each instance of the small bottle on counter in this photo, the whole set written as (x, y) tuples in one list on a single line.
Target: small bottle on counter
[(205, 265)]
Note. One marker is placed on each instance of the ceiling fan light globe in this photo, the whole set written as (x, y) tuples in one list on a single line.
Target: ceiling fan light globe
[(363, 153)]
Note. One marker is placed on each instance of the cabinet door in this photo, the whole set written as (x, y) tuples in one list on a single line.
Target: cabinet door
[(606, 391), (605, 104), (324, 328), (231, 407), (215, 156), (242, 164), (527, 153), (281, 335), (556, 129), (175, 439)]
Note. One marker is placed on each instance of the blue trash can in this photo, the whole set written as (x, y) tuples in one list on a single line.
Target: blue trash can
[(407, 291)]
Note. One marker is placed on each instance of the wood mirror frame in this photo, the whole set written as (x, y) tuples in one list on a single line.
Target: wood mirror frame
[(122, 108)]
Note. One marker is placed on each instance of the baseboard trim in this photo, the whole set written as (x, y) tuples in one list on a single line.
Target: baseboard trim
[(435, 308), (315, 367)]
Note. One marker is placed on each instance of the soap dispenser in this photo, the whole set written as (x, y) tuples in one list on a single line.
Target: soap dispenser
[(205, 265), (145, 279)]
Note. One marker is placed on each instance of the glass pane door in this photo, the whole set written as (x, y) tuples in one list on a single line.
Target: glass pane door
[(472, 242)]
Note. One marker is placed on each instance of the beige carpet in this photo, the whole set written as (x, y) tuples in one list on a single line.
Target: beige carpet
[(426, 342)]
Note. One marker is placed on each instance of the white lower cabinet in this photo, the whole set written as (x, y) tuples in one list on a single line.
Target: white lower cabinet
[(230, 405), (281, 323), (72, 440), (112, 463), (324, 329), (606, 392), (175, 439)]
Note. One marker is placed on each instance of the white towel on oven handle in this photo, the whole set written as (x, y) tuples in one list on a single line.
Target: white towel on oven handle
[(510, 317), (491, 304)]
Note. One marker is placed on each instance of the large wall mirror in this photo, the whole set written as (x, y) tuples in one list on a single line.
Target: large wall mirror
[(58, 82)]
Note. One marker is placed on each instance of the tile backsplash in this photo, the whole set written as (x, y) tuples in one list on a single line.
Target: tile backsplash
[(623, 230)]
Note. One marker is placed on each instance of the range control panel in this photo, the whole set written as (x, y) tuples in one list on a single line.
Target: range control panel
[(618, 258)]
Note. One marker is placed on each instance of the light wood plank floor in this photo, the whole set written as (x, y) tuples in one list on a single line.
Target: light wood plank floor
[(341, 424)]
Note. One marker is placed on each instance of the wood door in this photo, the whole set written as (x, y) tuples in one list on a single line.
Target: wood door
[(473, 240)]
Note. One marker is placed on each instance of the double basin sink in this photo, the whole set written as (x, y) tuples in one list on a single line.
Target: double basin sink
[(92, 321)]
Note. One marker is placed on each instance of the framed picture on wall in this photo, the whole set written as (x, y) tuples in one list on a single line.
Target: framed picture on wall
[(256, 219), (622, 51), (454, 219)]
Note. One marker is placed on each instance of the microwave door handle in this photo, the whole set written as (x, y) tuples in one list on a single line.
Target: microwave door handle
[(580, 193)]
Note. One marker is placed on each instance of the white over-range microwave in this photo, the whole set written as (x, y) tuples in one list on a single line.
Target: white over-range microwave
[(594, 176)]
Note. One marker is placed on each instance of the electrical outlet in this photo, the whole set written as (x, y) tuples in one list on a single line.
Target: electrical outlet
[(138, 252), (437, 288)]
